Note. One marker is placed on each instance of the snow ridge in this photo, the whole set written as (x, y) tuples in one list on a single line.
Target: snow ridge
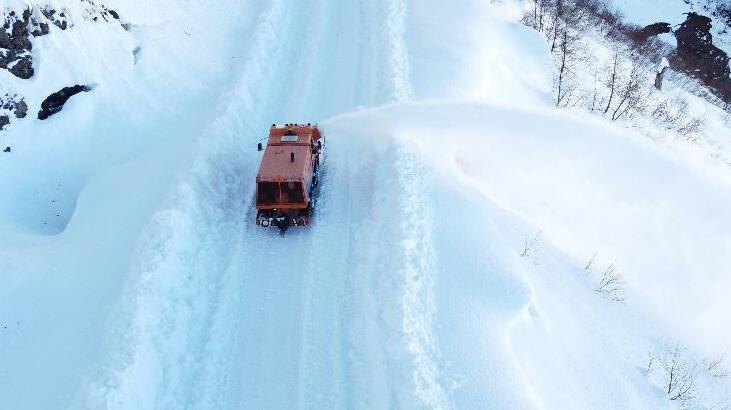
[(418, 274), (396, 24)]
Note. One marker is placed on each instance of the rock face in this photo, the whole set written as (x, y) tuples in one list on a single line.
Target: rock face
[(15, 44), (697, 56), (15, 37), (55, 102), (19, 27)]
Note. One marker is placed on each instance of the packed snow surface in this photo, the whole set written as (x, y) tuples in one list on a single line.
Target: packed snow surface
[(132, 275)]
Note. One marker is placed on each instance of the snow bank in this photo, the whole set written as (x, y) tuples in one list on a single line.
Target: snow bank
[(592, 187)]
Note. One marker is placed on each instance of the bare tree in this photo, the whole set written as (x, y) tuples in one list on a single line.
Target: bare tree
[(563, 68), (679, 375), (630, 95), (537, 14), (612, 81), (611, 284), (595, 101), (555, 31)]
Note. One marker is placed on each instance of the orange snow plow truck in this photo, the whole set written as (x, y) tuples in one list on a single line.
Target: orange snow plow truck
[(288, 176)]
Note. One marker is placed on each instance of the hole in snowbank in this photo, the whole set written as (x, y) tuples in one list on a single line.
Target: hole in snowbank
[(136, 54), (44, 209)]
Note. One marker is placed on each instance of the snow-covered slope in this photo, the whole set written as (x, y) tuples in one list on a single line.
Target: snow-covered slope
[(132, 276)]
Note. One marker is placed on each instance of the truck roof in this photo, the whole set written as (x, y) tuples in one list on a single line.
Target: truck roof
[(277, 165)]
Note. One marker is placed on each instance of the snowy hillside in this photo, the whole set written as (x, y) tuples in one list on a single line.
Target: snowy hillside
[(474, 246)]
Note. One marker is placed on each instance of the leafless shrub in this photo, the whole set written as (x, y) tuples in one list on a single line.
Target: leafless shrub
[(589, 264), (611, 284), (726, 114), (678, 374), (531, 246), (715, 367), (691, 129), (651, 357), (672, 114), (721, 405), (627, 92)]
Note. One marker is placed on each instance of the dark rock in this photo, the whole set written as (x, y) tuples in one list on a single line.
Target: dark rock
[(7, 149), (114, 14), (42, 30), (21, 109), (23, 68), (15, 40), (698, 57), (652, 30), (14, 104), (15, 46), (55, 102), (4, 120), (59, 21)]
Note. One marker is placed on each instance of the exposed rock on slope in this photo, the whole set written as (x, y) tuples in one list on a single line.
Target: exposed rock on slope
[(11, 105), (55, 102), (15, 38), (19, 28), (652, 30), (697, 56)]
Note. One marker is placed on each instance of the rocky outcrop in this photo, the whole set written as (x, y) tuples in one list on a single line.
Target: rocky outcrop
[(15, 38), (11, 106), (641, 35), (20, 27), (55, 102), (698, 57)]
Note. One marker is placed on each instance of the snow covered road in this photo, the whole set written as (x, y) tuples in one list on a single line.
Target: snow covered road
[(235, 316), (157, 291)]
